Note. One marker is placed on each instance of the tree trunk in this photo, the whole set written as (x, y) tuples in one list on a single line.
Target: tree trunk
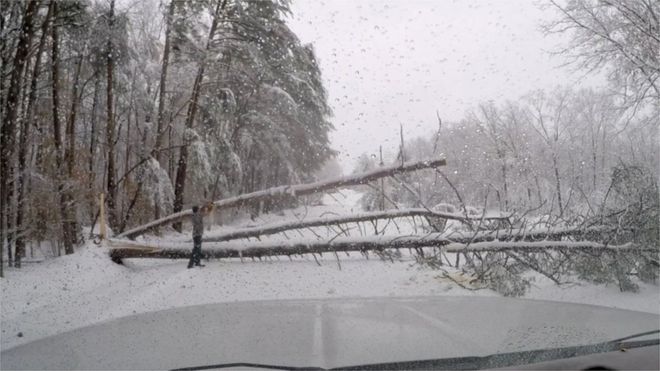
[(8, 131), (110, 128), (127, 156), (181, 172), (125, 215), (70, 151), (160, 130), (15, 172), (557, 184), (92, 143), (67, 237), (125, 249), (593, 158), (170, 164), (69, 156), (506, 185), (26, 124)]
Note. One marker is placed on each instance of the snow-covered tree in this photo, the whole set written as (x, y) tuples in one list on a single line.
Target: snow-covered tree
[(123, 83), (621, 37)]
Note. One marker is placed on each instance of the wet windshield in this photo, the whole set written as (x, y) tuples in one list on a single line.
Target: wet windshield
[(162, 154)]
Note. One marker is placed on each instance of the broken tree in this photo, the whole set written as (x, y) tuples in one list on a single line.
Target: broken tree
[(282, 192), (128, 249), (499, 240)]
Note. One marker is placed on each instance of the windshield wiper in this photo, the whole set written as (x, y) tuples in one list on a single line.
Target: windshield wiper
[(635, 336), (514, 358), (245, 364), (474, 363)]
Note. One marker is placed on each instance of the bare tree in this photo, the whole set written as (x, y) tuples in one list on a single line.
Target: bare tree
[(491, 124), (8, 130), (620, 36), (26, 124), (547, 120)]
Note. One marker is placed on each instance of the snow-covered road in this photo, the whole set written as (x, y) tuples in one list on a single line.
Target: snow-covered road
[(84, 288)]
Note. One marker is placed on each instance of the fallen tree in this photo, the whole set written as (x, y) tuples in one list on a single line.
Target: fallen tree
[(412, 242), (281, 192), (480, 242), (338, 220), (494, 260), (600, 249), (480, 235)]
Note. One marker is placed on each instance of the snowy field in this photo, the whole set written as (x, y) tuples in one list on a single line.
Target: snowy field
[(61, 294)]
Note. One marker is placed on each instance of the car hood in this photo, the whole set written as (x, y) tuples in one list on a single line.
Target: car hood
[(327, 333)]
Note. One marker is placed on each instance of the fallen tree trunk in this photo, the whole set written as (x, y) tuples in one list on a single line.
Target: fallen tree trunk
[(539, 234), (319, 222), (372, 243), (291, 190), (516, 234), (320, 248)]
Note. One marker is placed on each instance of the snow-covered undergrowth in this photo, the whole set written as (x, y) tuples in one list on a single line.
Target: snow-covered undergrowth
[(85, 288)]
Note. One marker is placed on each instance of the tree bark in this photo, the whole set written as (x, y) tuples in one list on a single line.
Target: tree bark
[(506, 186), (291, 190), (162, 91), (123, 215), (69, 156), (92, 142), (67, 237), (124, 249), (110, 126), (557, 183)]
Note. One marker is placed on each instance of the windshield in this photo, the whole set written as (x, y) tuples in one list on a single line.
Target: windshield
[(163, 154)]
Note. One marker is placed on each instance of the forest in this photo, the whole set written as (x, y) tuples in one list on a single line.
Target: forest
[(157, 105), (160, 105), (577, 157)]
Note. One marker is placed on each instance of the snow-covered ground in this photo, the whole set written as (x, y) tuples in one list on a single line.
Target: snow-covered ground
[(85, 288)]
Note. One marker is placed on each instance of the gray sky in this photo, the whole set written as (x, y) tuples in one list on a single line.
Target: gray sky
[(387, 63)]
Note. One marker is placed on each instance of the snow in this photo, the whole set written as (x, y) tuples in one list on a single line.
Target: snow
[(277, 93), (85, 288), (300, 189), (157, 184)]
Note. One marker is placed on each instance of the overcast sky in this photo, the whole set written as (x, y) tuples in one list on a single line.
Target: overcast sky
[(387, 63)]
